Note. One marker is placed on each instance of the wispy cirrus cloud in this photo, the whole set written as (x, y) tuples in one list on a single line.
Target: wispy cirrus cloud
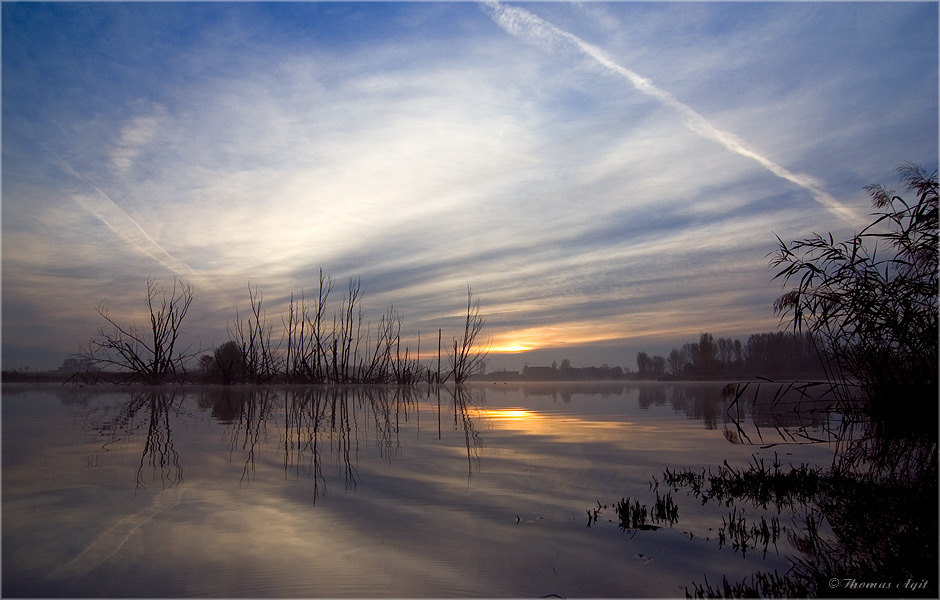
[(135, 134), (521, 22), (101, 206), (423, 147)]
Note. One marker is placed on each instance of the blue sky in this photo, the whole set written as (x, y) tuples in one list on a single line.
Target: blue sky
[(609, 177)]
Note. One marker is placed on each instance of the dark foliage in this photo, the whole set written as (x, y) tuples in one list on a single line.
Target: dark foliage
[(872, 300), (769, 354), (881, 528)]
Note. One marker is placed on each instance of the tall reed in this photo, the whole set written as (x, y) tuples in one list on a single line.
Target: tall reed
[(872, 300)]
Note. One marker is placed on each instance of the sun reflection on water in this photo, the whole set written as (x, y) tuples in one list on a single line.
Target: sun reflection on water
[(561, 426), (511, 413)]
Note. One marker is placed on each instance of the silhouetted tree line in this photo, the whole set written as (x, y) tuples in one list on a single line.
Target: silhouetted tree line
[(563, 372), (566, 372), (772, 354)]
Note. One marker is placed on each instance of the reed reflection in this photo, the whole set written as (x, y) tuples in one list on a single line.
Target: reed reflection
[(868, 517), (715, 405)]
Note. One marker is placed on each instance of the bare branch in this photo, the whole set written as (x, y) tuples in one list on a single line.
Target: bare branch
[(154, 359)]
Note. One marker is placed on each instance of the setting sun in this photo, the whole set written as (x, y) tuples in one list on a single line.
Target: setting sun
[(511, 347), (560, 334)]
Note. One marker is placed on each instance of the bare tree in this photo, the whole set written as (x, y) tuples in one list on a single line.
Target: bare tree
[(308, 340), (253, 336), (468, 357), (408, 368), (320, 337), (152, 355), (297, 365), (347, 331), (387, 334)]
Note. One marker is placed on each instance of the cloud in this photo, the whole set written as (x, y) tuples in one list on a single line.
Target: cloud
[(361, 161), (134, 135), (101, 206), (522, 23), (425, 149)]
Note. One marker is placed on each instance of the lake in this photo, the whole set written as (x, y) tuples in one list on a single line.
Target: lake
[(489, 490)]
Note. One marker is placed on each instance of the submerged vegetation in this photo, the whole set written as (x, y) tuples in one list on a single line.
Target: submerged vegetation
[(866, 524), (869, 520), (856, 521), (634, 516), (312, 346)]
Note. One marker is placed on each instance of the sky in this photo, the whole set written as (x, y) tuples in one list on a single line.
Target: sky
[(606, 177)]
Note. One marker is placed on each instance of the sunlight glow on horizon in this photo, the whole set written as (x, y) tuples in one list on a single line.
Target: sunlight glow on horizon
[(511, 348), (551, 336)]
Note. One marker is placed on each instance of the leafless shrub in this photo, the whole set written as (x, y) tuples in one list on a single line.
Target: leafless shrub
[(253, 336), (468, 357), (150, 355)]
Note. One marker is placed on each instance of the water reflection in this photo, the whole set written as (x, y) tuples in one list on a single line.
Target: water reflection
[(866, 524), (565, 391), (465, 402), (447, 486), (149, 410), (310, 423), (313, 423)]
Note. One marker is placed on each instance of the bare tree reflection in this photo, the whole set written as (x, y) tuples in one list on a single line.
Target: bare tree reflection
[(250, 427), (331, 417), (159, 452), (304, 418), (463, 403), (320, 429), (149, 410), (389, 407), (344, 431)]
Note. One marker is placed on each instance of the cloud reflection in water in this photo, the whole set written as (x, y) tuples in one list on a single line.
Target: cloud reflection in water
[(363, 491)]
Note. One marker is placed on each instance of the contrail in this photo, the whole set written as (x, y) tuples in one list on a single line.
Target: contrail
[(101, 206), (111, 539), (523, 24)]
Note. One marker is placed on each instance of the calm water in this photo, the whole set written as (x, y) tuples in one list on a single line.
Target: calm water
[(379, 491)]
